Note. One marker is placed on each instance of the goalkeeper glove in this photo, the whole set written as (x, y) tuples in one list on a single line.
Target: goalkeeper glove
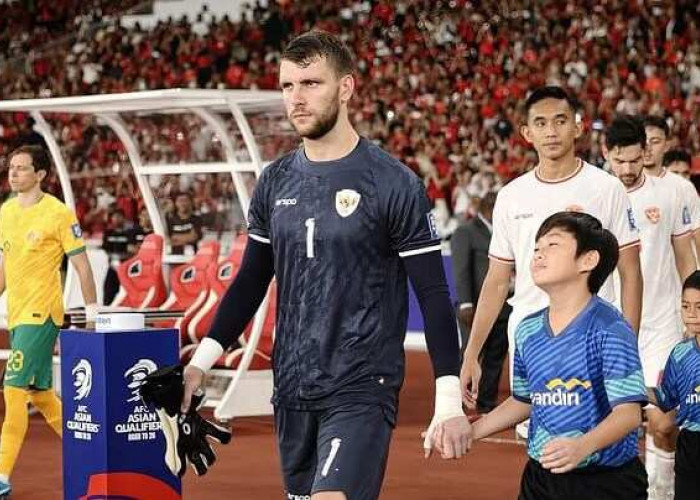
[(186, 435)]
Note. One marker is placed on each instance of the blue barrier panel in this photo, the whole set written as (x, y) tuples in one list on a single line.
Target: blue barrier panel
[(112, 444)]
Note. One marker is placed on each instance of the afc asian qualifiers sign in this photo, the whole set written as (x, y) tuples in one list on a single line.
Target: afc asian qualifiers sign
[(112, 444)]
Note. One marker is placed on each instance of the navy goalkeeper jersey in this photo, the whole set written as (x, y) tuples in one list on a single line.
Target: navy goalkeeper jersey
[(338, 231)]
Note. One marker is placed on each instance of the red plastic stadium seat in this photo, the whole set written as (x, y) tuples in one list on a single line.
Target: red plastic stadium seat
[(141, 277), (189, 286), (219, 278)]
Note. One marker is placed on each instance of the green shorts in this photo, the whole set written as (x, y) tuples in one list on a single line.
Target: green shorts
[(31, 361)]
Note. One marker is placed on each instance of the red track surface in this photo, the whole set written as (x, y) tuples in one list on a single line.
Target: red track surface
[(248, 467)]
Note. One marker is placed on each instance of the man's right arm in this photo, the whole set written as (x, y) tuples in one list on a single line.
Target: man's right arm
[(239, 304), (494, 293)]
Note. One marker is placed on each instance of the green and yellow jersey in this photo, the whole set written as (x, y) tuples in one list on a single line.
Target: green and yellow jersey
[(34, 240)]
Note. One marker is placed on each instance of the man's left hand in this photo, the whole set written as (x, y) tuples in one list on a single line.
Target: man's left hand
[(453, 437)]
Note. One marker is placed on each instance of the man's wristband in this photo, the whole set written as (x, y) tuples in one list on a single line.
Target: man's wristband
[(206, 355), (91, 312)]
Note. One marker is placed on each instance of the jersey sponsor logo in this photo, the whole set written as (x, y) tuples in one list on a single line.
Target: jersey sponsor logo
[(82, 379), (76, 230), (346, 201), (575, 208), (135, 376), (694, 397), (569, 384), (292, 496), (685, 215), (653, 214), (432, 225), (561, 392), (630, 220), (286, 202)]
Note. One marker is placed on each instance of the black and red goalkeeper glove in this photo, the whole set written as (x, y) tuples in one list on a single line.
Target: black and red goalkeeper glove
[(187, 435)]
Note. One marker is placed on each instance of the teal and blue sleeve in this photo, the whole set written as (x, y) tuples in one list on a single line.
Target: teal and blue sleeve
[(622, 368)]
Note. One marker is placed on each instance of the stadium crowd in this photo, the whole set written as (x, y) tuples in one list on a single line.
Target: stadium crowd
[(442, 84)]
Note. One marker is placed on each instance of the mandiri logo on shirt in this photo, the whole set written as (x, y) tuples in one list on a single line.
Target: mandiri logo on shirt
[(561, 392), (694, 397)]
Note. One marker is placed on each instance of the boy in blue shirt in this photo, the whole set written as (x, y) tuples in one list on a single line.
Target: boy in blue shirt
[(680, 388), (577, 374)]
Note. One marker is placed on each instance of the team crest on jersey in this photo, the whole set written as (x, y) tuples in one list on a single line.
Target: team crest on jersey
[(653, 214), (346, 201), (33, 237), (6, 246), (77, 231)]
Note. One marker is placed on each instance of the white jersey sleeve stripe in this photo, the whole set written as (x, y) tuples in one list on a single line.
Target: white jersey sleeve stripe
[(419, 251), (683, 234), (631, 244), (501, 259), (258, 238)]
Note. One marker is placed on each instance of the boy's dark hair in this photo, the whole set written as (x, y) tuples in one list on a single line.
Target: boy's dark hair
[(488, 201), (308, 46), (692, 281), (549, 92), (658, 122), (675, 155), (625, 130), (590, 235), (40, 157)]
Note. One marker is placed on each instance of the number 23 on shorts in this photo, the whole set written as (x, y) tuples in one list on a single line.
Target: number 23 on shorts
[(15, 361)]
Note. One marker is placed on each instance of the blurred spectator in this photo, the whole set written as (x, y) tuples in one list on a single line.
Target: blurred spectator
[(184, 226), (115, 241), (117, 237), (442, 82), (142, 229), (678, 162)]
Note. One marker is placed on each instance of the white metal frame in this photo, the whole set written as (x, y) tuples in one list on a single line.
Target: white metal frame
[(206, 104)]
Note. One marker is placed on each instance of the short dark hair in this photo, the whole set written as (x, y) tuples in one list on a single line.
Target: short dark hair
[(590, 235), (40, 157), (308, 46), (488, 201), (692, 281), (625, 130), (549, 92), (675, 155), (658, 122)]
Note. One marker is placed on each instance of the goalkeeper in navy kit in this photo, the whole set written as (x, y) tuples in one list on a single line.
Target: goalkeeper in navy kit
[(340, 224)]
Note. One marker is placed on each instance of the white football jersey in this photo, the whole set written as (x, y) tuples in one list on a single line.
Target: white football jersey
[(522, 206), (688, 197), (660, 219)]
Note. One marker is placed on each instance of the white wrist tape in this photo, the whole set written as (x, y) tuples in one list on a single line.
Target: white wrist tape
[(206, 355), (448, 397), (448, 404), (90, 312)]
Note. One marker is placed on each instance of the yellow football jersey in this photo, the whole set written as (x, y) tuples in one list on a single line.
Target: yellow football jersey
[(34, 240)]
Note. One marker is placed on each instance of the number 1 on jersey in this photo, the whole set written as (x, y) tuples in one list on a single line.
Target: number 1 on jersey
[(310, 228)]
